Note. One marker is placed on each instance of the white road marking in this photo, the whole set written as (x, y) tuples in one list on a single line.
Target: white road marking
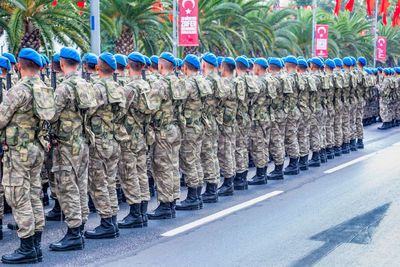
[(347, 164), (220, 214)]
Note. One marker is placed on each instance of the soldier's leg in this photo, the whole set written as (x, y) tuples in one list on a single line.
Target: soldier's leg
[(330, 137), (315, 139), (359, 123), (111, 174), (209, 158), (242, 156), (277, 147), (257, 152), (141, 167), (338, 131), (346, 128), (292, 142), (176, 145), (226, 157), (83, 174), (303, 136), (188, 156), (128, 175)]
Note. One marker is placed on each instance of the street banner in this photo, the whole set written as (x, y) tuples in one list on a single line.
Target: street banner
[(321, 41), (381, 49), (188, 23)]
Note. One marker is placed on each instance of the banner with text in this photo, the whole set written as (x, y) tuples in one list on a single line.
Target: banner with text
[(381, 49), (321, 41), (188, 23)]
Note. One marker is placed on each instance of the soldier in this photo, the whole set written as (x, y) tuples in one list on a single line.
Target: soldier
[(261, 116), (73, 98), (23, 156), (105, 122), (362, 99), (355, 82), (397, 103), (154, 64), (57, 68), (122, 77), (13, 62), (330, 108), (209, 145), (89, 63), (165, 162), (346, 105), (198, 89), (226, 120), (385, 92), (338, 106)]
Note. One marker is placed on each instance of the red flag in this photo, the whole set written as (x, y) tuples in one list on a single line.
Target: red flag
[(337, 8), (54, 3), (370, 6), (383, 7), (349, 6), (81, 4), (396, 15)]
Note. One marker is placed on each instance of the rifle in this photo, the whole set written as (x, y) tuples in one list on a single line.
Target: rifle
[(115, 77), (144, 74), (47, 71), (8, 80), (42, 75), (53, 75)]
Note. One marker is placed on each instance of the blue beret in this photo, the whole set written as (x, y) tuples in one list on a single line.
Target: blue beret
[(317, 61), (56, 57), (44, 63), (169, 57), (262, 62), (46, 59), (147, 59), (362, 60), (210, 58), (302, 62), (30, 54), (397, 70), (347, 61), (251, 61), (108, 58), (219, 60), (120, 59), (309, 61), (338, 62), (330, 63), (230, 60), (353, 60), (375, 70), (154, 59), (380, 69), (291, 59), (136, 56), (300, 58), (244, 56), (4, 63), (386, 70), (367, 70), (91, 58), (70, 53), (192, 59), (275, 61), (322, 59), (10, 57), (243, 60)]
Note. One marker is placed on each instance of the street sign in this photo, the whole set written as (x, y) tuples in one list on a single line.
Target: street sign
[(381, 48), (188, 23), (321, 41)]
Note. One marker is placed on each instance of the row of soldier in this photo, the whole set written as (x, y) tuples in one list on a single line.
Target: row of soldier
[(200, 121)]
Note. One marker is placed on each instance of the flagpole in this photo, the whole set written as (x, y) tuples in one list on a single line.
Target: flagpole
[(174, 32), (375, 30), (314, 22), (95, 40)]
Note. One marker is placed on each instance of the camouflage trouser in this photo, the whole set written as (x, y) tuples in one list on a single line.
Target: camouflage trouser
[(315, 131), (241, 148), (338, 126), (359, 119), (277, 141), (384, 110), (346, 124), (226, 150), (397, 110), (303, 135), (1, 202), (189, 155), (259, 143), (330, 136), (209, 157), (291, 131), (166, 163), (47, 176), (128, 174), (71, 174), (353, 113), (141, 168), (323, 128), (22, 188), (103, 167)]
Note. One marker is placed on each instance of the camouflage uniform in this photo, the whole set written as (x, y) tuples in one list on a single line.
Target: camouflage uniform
[(353, 103), (105, 151), (71, 154), (23, 157), (165, 162), (384, 101), (338, 106), (316, 119), (362, 100), (293, 116), (346, 107), (303, 103), (397, 103)]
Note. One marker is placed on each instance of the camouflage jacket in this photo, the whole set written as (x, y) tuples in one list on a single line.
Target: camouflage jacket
[(262, 110), (245, 96), (315, 96), (385, 90), (193, 105), (229, 103), (212, 102)]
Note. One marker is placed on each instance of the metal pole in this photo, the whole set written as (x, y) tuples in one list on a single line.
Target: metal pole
[(174, 33), (95, 26), (375, 30), (314, 22)]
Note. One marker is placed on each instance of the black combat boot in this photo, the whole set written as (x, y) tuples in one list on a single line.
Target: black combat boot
[(338, 151), (277, 173), (210, 195), (143, 211), (45, 200), (26, 253), (329, 153), (293, 167), (1, 229), (163, 211), (251, 161), (133, 219), (71, 241), (106, 229), (55, 214), (13, 226), (303, 163), (345, 148), (360, 144), (385, 126), (240, 181), (82, 229), (191, 202), (353, 146), (151, 187), (322, 155), (199, 197), (91, 206), (315, 160), (259, 178), (120, 195), (37, 242), (226, 188), (115, 223)]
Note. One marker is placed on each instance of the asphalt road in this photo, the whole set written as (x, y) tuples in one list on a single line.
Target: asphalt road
[(344, 213)]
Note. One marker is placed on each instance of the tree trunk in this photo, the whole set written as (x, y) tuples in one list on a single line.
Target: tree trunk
[(125, 44), (190, 50), (31, 38)]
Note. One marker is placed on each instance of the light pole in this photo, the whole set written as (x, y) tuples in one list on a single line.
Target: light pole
[(95, 40), (174, 30), (375, 30), (314, 22)]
